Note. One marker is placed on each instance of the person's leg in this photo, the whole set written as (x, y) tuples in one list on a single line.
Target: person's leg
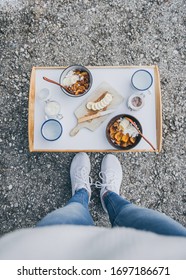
[(74, 213), (122, 212), (76, 210)]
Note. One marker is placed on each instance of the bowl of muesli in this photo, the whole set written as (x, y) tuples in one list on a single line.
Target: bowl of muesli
[(76, 80), (121, 134)]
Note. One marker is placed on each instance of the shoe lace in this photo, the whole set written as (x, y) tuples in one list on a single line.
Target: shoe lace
[(109, 178), (82, 176)]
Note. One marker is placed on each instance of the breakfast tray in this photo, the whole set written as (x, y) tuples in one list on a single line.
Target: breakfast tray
[(119, 78)]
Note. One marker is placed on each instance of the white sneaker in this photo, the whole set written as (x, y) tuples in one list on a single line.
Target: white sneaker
[(79, 173), (111, 176)]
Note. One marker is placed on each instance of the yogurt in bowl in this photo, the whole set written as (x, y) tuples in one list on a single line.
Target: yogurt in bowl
[(121, 134), (76, 80)]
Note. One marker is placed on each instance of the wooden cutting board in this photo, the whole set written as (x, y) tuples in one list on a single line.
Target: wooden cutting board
[(82, 110)]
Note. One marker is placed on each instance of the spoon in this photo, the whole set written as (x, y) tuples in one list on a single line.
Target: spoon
[(53, 82), (133, 123)]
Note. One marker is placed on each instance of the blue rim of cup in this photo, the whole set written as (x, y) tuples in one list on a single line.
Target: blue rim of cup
[(90, 77), (143, 71), (59, 134)]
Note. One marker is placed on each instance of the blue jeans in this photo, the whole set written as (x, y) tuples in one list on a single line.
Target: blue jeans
[(121, 212), (74, 213)]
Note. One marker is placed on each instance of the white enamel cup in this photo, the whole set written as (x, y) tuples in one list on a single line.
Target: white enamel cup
[(51, 130), (142, 80)]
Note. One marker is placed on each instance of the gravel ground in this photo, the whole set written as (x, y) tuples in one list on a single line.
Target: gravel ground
[(91, 33)]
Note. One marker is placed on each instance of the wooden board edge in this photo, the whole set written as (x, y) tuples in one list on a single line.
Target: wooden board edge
[(158, 109), (94, 151), (98, 66), (31, 110)]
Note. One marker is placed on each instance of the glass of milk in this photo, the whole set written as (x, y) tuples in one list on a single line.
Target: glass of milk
[(52, 109)]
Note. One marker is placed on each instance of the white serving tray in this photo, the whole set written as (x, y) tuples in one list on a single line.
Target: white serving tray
[(119, 77)]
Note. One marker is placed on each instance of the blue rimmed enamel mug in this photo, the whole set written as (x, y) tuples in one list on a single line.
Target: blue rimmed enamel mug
[(51, 130), (142, 80)]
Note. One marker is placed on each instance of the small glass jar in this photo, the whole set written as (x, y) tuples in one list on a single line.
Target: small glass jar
[(52, 108), (136, 102)]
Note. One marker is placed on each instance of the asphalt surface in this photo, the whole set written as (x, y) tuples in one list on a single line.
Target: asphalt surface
[(34, 33)]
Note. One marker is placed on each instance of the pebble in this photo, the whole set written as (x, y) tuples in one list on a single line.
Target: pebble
[(10, 187), (175, 52)]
